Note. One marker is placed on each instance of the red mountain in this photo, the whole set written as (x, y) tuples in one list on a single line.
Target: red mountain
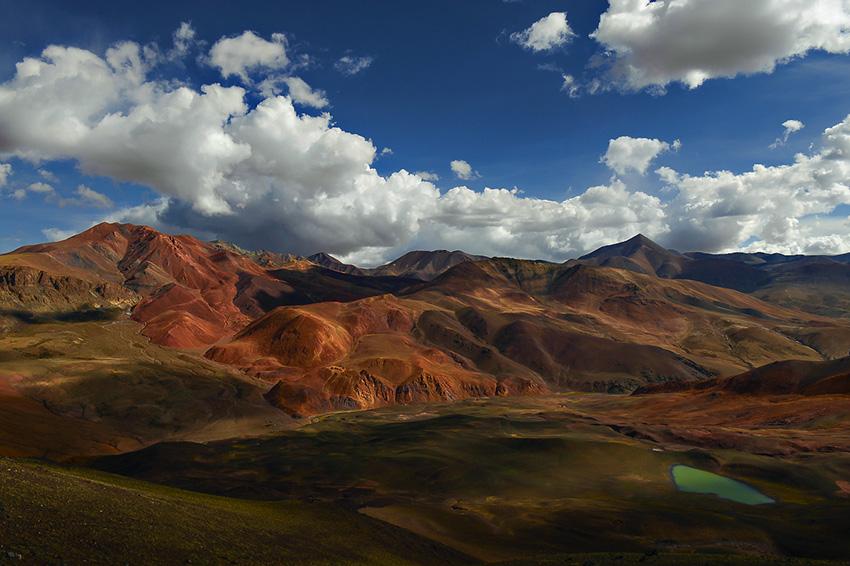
[(188, 293)]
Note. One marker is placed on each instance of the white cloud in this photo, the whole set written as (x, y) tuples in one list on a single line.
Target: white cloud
[(183, 39), (301, 93), (5, 172), (546, 33), (626, 153), (351, 65), (570, 86), (427, 176), (654, 43), (779, 206), (248, 52), (48, 176), (790, 126), (463, 170), (84, 196), (55, 234), (40, 188), (89, 197)]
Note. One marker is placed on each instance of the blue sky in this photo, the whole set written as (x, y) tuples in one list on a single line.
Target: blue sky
[(538, 129)]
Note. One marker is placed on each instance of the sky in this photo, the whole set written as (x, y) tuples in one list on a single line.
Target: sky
[(527, 128)]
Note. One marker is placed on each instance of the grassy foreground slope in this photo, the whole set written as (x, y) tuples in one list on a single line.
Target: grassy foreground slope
[(84, 387), (510, 478), (55, 515)]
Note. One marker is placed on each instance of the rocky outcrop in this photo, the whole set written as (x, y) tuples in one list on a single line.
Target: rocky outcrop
[(32, 289)]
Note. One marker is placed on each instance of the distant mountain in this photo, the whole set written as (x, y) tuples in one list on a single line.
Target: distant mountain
[(424, 265), (814, 284), (332, 263), (421, 265), (638, 254), (263, 258)]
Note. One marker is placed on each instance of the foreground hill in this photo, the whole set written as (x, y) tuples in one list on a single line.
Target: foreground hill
[(82, 387)]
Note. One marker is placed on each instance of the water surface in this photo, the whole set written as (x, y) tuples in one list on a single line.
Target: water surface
[(693, 480)]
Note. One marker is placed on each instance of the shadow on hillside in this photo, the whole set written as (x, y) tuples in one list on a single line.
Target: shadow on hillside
[(88, 315)]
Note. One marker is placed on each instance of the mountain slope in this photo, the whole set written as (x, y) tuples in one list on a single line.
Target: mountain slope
[(188, 293)]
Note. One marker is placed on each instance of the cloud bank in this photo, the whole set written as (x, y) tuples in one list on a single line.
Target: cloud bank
[(262, 174)]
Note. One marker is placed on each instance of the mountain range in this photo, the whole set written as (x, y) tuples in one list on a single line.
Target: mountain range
[(439, 326), (480, 403)]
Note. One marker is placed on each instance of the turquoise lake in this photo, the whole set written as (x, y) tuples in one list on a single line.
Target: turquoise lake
[(693, 480)]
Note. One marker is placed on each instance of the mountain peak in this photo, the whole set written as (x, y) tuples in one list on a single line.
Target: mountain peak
[(425, 265), (638, 254), (627, 248)]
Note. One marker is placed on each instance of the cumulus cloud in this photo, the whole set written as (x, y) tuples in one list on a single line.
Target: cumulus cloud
[(545, 34), (55, 234), (463, 170), (570, 86), (38, 188), (626, 153), (248, 52), (351, 65), (790, 126), (5, 172), (655, 43), (779, 206), (84, 196), (266, 175)]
